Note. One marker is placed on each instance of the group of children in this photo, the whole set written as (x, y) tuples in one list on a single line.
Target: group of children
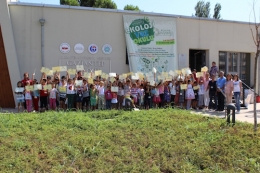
[(184, 91)]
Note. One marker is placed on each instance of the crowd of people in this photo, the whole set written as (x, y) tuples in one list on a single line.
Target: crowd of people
[(212, 91)]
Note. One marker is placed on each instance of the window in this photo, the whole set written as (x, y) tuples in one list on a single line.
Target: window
[(236, 63)]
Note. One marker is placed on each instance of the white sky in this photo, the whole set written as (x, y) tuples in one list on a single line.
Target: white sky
[(238, 10)]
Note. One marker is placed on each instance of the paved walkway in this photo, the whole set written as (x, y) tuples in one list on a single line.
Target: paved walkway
[(245, 115)]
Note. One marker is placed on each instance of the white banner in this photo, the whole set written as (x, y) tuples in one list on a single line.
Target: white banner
[(151, 42)]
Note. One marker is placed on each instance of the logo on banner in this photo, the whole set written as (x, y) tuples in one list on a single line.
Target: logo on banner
[(107, 49), (93, 48), (65, 48), (79, 48), (141, 31)]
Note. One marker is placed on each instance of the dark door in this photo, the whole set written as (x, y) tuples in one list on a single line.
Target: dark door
[(6, 92), (197, 59)]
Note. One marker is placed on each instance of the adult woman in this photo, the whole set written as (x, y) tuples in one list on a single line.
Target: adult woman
[(229, 89), (237, 91)]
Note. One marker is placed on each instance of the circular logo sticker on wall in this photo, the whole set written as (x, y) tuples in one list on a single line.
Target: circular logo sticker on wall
[(79, 48), (93, 48), (107, 49), (64, 48)]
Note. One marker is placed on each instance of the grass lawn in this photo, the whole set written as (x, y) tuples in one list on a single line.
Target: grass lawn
[(162, 140)]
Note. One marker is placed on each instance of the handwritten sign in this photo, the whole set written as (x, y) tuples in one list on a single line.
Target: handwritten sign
[(19, 89), (204, 69), (90, 81), (168, 79), (49, 73), (63, 68), (72, 71), (121, 77), (114, 89), (37, 87), (112, 74), (80, 67), (184, 86), (44, 69), (29, 88), (56, 69), (199, 74), (196, 87), (78, 82), (47, 87), (62, 89), (98, 72)]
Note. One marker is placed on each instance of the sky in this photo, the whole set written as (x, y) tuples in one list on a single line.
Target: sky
[(237, 10)]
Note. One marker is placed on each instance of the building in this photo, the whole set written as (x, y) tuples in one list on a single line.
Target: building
[(39, 35)]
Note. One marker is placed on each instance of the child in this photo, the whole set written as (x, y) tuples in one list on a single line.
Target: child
[(147, 96), (141, 96), (156, 98), (229, 87), (36, 97), (181, 96), (86, 97), (52, 96), (62, 90), (19, 95), (70, 94), (101, 96), (201, 93), (114, 100), (172, 87), (120, 95), (196, 98), (43, 96), (134, 92), (167, 95), (108, 96), (189, 94), (28, 97), (93, 97), (79, 97)]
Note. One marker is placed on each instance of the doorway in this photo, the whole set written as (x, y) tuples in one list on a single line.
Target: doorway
[(6, 92), (197, 59)]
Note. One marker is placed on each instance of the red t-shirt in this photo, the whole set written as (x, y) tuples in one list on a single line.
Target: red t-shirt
[(43, 93), (25, 80)]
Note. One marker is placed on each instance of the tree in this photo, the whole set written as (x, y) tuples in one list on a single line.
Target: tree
[(256, 38), (217, 11), (202, 9), (90, 3), (105, 4), (131, 8), (69, 2)]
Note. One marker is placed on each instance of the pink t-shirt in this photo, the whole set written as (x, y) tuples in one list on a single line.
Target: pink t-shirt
[(229, 86)]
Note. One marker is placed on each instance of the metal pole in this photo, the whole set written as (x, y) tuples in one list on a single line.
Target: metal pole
[(42, 21)]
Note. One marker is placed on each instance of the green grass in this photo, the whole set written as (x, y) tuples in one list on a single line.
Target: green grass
[(163, 140)]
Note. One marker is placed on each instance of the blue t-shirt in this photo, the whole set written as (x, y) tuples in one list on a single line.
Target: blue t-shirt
[(221, 82)]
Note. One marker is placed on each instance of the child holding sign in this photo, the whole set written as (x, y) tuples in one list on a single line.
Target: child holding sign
[(28, 97), (19, 95)]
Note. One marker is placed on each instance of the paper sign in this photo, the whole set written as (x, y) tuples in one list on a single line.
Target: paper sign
[(152, 83), (19, 89), (178, 72), (149, 79), (63, 68), (72, 71), (47, 87), (112, 74), (121, 77), (196, 87), (168, 79), (44, 69), (37, 87), (79, 82), (29, 88), (87, 75), (112, 79), (90, 81), (56, 69), (199, 74), (98, 72), (80, 67), (104, 75), (172, 73), (204, 69), (62, 89), (184, 86), (114, 89), (49, 73)]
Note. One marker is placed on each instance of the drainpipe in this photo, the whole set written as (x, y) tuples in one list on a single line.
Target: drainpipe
[(42, 21)]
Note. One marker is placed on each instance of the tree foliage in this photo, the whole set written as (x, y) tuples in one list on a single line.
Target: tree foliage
[(131, 8), (69, 2), (202, 9), (90, 3), (217, 11)]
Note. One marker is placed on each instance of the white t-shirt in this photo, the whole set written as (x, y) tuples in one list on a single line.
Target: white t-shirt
[(53, 92), (172, 89), (70, 89), (101, 90), (236, 86)]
